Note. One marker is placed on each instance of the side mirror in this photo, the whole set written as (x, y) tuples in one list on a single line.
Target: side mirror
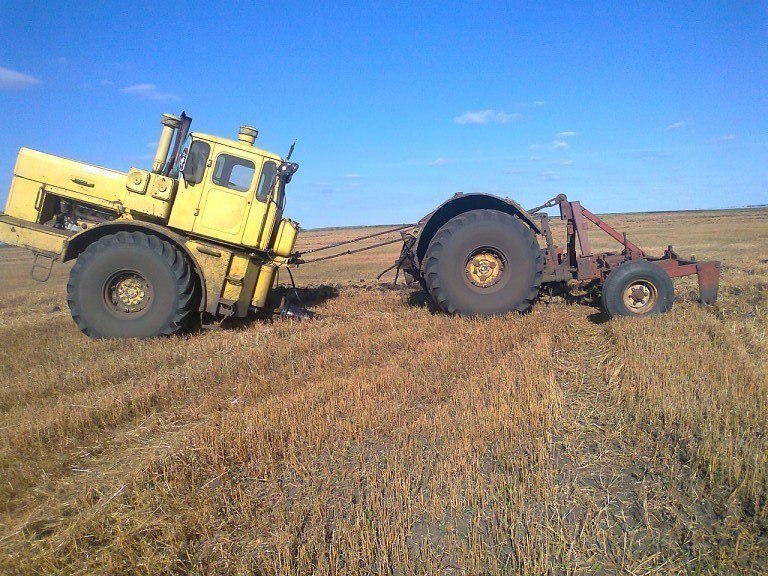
[(287, 170)]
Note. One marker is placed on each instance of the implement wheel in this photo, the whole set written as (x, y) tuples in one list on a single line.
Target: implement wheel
[(638, 288), (131, 285), (483, 263)]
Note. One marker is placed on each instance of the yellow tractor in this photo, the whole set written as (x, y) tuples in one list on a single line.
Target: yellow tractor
[(201, 235)]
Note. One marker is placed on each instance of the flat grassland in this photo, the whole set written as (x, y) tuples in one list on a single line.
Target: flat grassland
[(385, 438)]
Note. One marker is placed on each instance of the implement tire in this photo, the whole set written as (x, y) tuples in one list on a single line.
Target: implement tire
[(637, 288), (483, 263), (131, 285)]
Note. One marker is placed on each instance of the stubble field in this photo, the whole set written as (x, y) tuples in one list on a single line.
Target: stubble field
[(385, 438)]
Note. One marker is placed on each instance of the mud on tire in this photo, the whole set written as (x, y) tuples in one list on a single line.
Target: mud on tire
[(483, 262), (132, 285)]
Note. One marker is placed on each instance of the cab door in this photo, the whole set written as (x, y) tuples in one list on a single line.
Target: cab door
[(192, 182), (227, 196), (261, 217)]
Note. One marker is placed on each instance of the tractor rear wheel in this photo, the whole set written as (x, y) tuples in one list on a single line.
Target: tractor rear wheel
[(483, 263), (638, 288), (131, 285)]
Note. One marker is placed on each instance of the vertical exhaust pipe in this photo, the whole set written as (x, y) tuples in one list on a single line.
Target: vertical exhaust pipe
[(170, 123)]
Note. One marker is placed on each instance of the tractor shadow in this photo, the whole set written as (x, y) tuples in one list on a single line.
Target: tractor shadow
[(301, 297), (309, 296)]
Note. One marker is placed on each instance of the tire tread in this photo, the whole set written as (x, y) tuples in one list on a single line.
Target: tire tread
[(436, 247)]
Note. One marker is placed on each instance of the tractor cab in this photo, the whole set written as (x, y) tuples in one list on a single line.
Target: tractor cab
[(229, 190)]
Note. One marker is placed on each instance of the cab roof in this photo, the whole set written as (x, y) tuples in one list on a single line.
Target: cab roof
[(242, 146)]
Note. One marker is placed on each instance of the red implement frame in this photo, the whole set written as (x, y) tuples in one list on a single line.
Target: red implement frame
[(584, 265)]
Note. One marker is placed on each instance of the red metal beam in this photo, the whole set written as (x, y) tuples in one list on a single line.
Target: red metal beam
[(581, 228)]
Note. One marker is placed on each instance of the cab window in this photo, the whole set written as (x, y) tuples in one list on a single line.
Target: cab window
[(233, 172), (268, 174)]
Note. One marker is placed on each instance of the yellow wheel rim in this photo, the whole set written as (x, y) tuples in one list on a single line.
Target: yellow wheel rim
[(127, 292), (130, 292), (484, 267)]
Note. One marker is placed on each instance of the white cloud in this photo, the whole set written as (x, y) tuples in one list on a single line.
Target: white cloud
[(563, 135), (485, 117), (560, 145), (351, 175), (549, 176), (152, 144), (676, 125), (567, 162), (149, 92), (106, 83), (12, 79), (538, 102), (724, 138), (439, 162), (513, 171)]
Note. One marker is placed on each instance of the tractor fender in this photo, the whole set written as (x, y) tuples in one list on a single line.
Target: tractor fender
[(460, 203), (80, 241)]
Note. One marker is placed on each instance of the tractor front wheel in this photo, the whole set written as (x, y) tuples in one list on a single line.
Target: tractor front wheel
[(638, 288), (131, 285)]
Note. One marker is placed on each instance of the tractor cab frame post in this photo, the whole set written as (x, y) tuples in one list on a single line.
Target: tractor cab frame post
[(583, 265)]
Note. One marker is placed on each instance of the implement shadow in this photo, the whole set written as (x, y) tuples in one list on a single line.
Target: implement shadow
[(419, 298), (588, 296)]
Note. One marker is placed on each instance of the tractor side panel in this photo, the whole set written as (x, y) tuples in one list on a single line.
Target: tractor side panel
[(24, 199), (139, 193), (214, 264), (70, 179)]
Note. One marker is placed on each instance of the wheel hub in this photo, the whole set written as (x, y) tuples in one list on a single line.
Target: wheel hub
[(128, 292), (640, 296), (484, 268)]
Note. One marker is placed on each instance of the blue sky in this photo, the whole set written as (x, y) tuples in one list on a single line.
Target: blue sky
[(627, 106)]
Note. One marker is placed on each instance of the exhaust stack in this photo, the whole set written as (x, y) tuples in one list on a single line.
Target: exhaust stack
[(170, 123), (247, 135)]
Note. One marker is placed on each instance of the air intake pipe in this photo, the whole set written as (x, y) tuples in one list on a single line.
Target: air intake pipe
[(170, 123), (247, 135)]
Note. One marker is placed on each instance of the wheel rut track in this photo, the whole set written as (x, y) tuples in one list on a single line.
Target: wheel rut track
[(629, 499)]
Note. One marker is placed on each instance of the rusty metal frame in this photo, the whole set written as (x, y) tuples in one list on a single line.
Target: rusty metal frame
[(583, 265)]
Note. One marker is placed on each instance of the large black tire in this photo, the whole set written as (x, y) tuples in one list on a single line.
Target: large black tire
[(131, 285), (637, 288), (483, 263)]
